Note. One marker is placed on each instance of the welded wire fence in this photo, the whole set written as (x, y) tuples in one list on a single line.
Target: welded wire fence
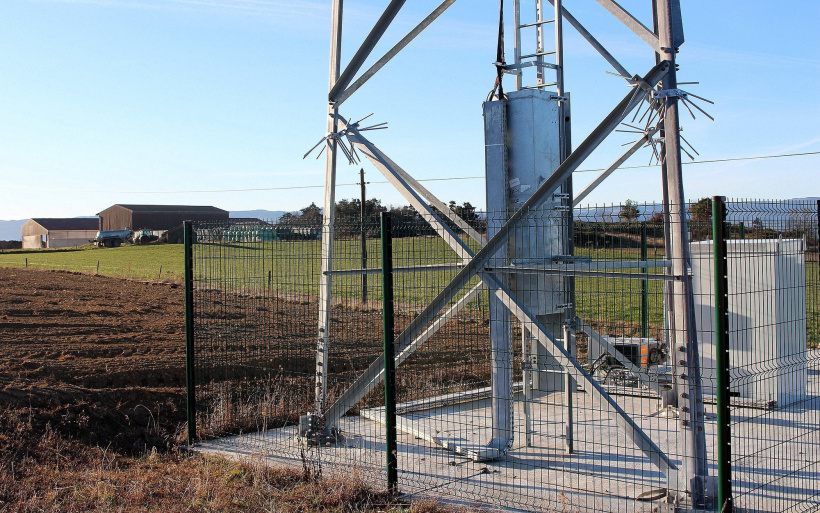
[(774, 323), (553, 374)]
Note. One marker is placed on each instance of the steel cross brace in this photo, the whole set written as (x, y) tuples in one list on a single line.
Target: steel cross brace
[(412, 336), (631, 23), (615, 165), (340, 97), (502, 440)]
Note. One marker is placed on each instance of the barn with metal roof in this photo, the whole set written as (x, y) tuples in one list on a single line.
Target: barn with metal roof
[(58, 232), (156, 217)]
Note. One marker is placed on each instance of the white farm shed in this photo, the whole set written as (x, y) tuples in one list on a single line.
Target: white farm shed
[(59, 232)]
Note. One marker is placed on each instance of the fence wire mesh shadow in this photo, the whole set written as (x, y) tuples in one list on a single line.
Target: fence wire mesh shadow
[(484, 415)]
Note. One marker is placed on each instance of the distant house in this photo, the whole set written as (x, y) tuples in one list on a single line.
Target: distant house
[(157, 218), (58, 232)]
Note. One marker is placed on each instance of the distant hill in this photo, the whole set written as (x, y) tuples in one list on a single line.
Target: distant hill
[(10, 230), (265, 215)]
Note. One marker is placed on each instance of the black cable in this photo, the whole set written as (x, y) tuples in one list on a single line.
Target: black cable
[(500, 61)]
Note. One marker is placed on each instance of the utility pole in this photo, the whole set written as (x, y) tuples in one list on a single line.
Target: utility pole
[(363, 230)]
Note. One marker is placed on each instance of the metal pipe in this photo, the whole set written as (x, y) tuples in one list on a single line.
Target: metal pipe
[(402, 269), (721, 302), (591, 265), (391, 448), (190, 375), (577, 272)]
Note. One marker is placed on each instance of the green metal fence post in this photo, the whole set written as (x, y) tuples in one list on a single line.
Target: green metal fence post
[(644, 286), (363, 235), (391, 447), (190, 383), (721, 301)]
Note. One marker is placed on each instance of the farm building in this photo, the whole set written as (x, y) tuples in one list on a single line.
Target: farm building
[(156, 217), (58, 232)]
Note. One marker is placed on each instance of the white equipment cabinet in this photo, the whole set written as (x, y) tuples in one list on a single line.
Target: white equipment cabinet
[(767, 318)]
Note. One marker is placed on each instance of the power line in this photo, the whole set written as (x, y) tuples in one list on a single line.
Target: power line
[(445, 179), (759, 157)]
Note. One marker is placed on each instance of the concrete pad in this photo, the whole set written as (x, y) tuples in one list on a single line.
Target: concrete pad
[(776, 454)]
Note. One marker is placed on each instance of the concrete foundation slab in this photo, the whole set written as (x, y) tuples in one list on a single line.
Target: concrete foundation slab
[(604, 474)]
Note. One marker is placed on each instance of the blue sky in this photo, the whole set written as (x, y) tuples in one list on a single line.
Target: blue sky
[(133, 101)]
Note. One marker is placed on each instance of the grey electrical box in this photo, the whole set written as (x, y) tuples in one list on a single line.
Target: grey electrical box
[(523, 141), (522, 149)]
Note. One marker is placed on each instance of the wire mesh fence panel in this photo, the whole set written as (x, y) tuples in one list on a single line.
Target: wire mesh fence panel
[(255, 327), (573, 369), (773, 291)]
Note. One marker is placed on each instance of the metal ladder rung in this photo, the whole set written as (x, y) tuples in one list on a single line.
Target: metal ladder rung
[(537, 54), (535, 24), (532, 63), (539, 86)]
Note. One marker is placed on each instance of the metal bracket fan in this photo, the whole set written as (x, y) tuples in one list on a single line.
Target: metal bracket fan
[(340, 136), (667, 93)]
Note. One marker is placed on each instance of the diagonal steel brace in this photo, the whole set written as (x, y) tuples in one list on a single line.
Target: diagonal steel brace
[(412, 333)]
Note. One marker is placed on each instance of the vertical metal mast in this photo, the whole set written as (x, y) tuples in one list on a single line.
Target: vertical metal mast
[(534, 356), (519, 79), (569, 243), (670, 35), (540, 46), (328, 213)]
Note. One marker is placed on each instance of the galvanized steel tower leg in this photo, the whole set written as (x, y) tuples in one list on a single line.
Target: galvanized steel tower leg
[(500, 318), (325, 284), (670, 35), (568, 233)]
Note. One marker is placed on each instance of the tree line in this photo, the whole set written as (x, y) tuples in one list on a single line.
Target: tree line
[(406, 221)]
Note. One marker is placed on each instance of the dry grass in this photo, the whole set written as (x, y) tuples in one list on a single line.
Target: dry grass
[(42, 470), (93, 420)]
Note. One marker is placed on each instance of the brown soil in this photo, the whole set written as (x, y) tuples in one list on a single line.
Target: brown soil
[(92, 409), (99, 359)]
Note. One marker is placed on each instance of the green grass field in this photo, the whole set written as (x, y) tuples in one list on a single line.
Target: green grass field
[(293, 267), (152, 262)]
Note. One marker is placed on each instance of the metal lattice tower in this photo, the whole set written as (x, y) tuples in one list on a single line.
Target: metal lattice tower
[(543, 55)]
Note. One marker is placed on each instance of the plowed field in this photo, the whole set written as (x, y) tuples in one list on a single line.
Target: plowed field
[(100, 359)]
